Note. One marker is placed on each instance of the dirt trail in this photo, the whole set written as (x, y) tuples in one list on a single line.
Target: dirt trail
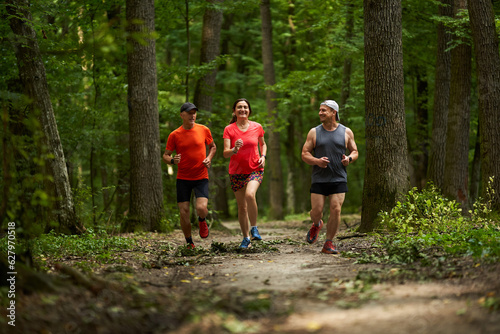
[(303, 291), (445, 306)]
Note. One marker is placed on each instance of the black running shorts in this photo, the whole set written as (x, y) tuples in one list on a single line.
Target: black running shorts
[(328, 188), (185, 188)]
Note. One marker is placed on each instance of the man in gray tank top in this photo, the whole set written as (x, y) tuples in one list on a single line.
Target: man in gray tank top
[(325, 150)]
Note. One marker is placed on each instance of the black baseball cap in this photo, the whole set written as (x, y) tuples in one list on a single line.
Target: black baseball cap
[(188, 106)]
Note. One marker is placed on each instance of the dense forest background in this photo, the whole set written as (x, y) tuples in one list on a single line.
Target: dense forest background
[(284, 56)]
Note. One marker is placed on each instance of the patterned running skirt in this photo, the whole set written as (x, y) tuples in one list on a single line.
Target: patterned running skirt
[(239, 181)]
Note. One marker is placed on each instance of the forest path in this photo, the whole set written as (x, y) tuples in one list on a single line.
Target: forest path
[(280, 285), (325, 296)]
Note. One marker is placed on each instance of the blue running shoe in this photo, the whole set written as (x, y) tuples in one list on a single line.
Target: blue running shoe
[(245, 243), (254, 232)]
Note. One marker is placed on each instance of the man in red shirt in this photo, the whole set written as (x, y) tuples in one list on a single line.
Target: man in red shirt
[(189, 141)]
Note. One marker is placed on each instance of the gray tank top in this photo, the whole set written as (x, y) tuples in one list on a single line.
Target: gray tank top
[(330, 144)]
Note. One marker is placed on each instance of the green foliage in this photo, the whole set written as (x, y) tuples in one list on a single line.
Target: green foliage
[(490, 302), (427, 223), (482, 212), (88, 244), (423, 211), (84, 46)]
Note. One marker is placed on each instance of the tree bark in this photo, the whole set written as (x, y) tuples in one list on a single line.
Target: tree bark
[(488, 66), (33, 77), (421, 152), (386, 169), (146, 193), (347, 68), (475, 173), (456, 175), (273, 156), (290, 50), (204, 92), (441, 99), (210, 50)]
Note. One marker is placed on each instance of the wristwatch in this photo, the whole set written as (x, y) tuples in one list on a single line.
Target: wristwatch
[(350, 159), (172, 161)]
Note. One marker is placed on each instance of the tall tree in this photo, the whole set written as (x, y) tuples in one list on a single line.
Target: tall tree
[(456, 175), (274, 162), (386, 169), (210, 50), (421, 149), (475, 172), (290, 50), (485, 38), (441, 98), (146, 193), (33, 77), (347, 68), (205, 87)]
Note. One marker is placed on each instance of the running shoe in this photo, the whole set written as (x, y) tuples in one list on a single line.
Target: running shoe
[(190, 246), (329, 248), (204, 229), (254, 232), (313, 233), (245, 243)]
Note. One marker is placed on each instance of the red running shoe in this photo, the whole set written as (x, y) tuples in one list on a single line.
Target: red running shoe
[(329, 248), (312, 235), (190, 246), (204, 229)]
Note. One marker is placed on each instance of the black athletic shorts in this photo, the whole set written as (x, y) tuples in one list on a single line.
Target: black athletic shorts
[(328, 188), (185, 187)]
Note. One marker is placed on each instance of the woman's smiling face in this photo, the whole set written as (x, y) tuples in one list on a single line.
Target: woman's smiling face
[(242, 110)]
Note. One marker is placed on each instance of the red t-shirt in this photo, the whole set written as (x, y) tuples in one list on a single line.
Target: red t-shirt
[(246, 160), (191, 145)]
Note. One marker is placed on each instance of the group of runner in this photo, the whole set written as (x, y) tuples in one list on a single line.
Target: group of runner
[(324, 149)]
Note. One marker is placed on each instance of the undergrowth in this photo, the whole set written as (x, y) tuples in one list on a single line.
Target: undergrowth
[(427, 225)]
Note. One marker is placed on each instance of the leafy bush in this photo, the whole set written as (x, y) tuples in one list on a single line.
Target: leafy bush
[(482, 214), (424, 211), (426, 222), (90, 243)]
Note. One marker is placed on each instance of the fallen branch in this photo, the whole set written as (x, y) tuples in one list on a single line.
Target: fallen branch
[(355, 235)]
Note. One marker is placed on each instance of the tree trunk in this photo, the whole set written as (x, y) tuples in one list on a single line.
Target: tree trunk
[(146, 193), (421, 154), (122, 201), (488, 66), (210, 50), (6, 171), (475, 174), (290, 50), (386, 168), (292, 165), (33, 77), (456, 175), (273, 155), (441, 99), (204, 91), (347, 68)]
